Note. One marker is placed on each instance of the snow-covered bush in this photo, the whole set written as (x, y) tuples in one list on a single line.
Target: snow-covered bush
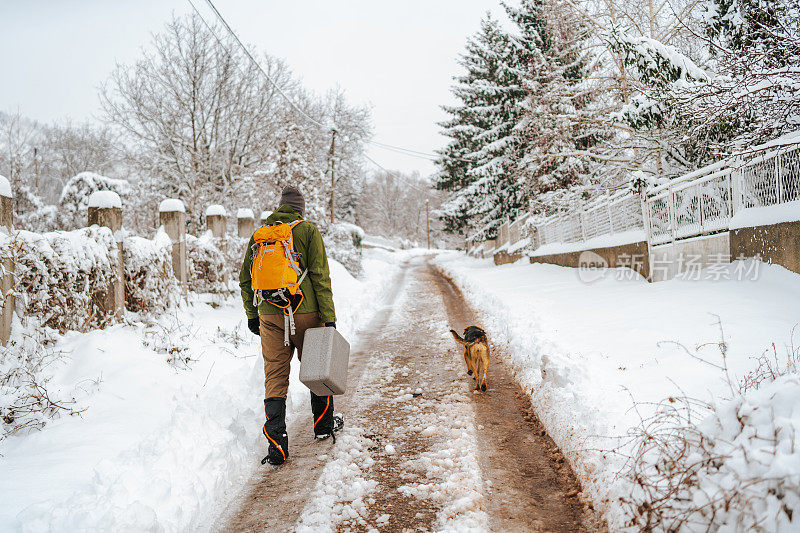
[(343, 243), (74, 199), (31, 213), (234, 255), (206, 264), (62, 276), (731, 465), (150, 283), (25, 402)]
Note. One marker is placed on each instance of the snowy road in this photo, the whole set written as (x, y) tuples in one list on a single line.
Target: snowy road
[(420, 451)]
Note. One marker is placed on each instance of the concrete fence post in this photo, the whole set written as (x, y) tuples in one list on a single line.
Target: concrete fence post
[(105, 209), (172, 216), (245, 223), (217, 223), (264, 216), (7, 279)]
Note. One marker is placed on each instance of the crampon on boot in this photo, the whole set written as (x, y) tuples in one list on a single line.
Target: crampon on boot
[(275, 431), (338, 423), (325, 422)]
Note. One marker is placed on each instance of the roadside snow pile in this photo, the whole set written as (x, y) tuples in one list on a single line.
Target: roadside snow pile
[(164, 426), (599, 359), (737, 466), (153, 422)]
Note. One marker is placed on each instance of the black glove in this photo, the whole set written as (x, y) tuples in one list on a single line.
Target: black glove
[(330, 325), (253, 326)]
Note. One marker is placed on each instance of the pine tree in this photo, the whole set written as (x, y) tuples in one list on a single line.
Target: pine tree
[(550, 49), (475, 165)]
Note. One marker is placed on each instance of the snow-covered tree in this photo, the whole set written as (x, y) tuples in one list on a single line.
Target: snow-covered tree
[(476, 164), (552, 134), (754, 94)]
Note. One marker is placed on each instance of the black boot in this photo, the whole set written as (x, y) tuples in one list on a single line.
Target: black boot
[(275, 431), (325, 422)]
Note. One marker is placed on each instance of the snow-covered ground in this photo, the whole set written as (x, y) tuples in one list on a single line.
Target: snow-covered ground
[(159, 443), (587, 351)]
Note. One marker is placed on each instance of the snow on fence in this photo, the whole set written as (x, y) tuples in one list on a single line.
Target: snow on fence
[(66, 280), (606, 215), (698, 203), (705, 201)]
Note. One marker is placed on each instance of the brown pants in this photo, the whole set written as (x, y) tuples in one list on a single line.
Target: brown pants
[(277, 356)]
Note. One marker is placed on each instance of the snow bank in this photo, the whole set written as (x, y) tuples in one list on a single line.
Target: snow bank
[(216, 210), (245, 213), (5, 187), (172, 419), (105, 200), (585, 353), (171, 205), (766, 215)]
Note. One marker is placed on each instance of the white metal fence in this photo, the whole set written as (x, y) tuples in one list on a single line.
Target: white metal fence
[(607, 215), (698, 203), (704, 201)]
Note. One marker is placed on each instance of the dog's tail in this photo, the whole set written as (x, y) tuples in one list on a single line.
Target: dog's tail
[(459, 339)]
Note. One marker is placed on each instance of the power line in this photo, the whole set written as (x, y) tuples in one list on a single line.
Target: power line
[(395, 175), (404, 151), (257, 64)]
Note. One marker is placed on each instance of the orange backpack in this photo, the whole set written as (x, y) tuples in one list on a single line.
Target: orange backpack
[(275, 273)]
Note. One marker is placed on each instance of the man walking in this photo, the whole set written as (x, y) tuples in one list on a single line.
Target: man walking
[(266, 319)]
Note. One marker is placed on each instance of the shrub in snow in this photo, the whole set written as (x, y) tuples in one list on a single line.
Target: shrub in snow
[(62, 276), (206, 264), (733, 465), (25, 402), (150, 284), (343, 243), (74, 199), (31, 213)]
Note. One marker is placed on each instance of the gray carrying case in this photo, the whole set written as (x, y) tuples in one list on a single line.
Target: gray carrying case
[(326, 355)]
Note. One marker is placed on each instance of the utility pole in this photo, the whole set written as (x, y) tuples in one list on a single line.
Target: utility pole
[(333, 171), (428, 222), (36, 168)]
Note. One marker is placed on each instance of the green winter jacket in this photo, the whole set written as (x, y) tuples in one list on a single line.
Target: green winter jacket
[(317, 292)]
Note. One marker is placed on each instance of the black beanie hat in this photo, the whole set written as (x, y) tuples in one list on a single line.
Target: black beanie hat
[(292, 197)]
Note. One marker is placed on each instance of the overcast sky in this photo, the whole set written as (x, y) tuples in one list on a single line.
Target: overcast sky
[(396, 57)]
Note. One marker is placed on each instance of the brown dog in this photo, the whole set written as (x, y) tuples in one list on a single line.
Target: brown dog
[(476, 353)]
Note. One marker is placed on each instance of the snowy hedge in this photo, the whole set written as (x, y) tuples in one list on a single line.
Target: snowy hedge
[(61, 276), (206, 264), (150, 283), (343, 243)]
